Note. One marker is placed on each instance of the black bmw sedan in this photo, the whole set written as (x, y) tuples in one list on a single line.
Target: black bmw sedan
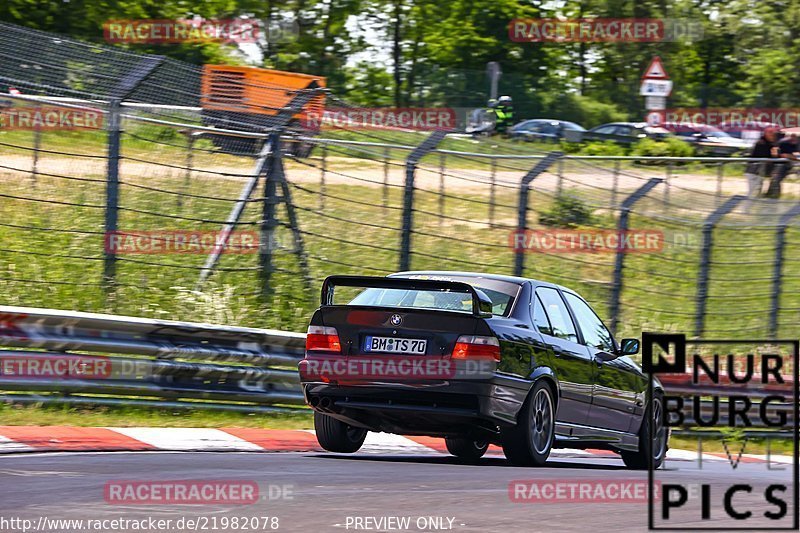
[(476, 359)]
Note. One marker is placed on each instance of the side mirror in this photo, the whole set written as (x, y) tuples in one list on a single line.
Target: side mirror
[(629, 346), (606, 356)]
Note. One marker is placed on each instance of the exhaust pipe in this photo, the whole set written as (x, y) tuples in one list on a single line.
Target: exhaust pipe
[(325, 404), (313, 401)]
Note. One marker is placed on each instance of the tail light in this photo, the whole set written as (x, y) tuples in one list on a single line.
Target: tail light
[(323, 339), (474, 346)]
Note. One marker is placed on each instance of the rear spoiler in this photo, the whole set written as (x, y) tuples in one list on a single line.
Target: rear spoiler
[(481, 304)]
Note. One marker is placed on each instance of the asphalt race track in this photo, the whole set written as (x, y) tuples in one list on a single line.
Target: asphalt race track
[(328, 492)]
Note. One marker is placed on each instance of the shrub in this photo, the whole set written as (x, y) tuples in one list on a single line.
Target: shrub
[(567, 211), (669, 147), (602, 148)]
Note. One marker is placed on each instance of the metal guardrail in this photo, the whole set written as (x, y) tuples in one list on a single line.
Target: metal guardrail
[(152, 362)]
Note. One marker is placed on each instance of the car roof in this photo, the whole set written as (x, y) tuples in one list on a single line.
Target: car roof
[(689, 125), (550, 120), (497, 277), (633, 124)]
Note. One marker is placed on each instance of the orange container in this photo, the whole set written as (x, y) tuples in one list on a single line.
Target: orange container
[(256, 91)]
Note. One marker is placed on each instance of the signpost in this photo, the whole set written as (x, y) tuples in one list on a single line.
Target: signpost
[(655, 103), (656, 87)]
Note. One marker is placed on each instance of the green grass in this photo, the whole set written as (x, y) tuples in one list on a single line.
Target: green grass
[(359, 232)]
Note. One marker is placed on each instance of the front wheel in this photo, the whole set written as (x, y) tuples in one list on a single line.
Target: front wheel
[(530, 441), (655, 448), (337, 436), (466, 449)]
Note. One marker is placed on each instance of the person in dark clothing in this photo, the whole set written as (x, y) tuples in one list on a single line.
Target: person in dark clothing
[(787, 151), (765, 148)]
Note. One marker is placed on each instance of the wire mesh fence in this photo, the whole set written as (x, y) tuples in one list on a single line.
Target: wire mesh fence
[(239, 222)]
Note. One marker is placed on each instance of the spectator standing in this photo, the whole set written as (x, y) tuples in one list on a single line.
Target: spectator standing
[(765, 148), (787, 152)]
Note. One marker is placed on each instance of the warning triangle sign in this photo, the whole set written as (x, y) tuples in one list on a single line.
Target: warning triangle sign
[(655, 70)]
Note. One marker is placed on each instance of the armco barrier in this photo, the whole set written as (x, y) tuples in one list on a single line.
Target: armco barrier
[(152, 362), (170, 364)]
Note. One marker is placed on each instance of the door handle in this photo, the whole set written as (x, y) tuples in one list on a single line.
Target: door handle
[(557, 350)]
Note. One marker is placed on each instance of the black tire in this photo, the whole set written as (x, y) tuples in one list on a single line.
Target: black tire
[(529, 442), (466, 449), (337, 436), (640, 460)]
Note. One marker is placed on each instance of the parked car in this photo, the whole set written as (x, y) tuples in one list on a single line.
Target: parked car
[(749, 132), (625, 132), (708, 139), (545, 370), (543, 129)]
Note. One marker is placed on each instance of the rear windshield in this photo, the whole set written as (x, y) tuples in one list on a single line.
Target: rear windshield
[(501, 294)]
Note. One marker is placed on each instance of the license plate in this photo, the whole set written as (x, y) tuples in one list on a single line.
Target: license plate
[(395, 345)]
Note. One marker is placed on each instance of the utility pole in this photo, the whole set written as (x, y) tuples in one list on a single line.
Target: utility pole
[(493, 72)]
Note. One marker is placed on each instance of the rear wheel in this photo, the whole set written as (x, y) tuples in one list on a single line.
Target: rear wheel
[(337, 436), (530, 441), (466, 449), (657, 447)]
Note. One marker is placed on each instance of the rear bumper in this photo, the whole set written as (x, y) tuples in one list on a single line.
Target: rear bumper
[(430, 408)]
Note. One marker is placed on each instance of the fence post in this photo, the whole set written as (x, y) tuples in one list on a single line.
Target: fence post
[(408, 194), (269, 221), (619, 259), (705, 260), (386, 154), (112, 191), (441, 187), (560, 173), (323, 170), (615, 183), (191, 137), (126, 86), (667, 181), (522, 206), (37, 146), (492, 191), (777, 273)]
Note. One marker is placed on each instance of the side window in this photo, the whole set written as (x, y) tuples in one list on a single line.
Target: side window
[(548, 129), (539, 317), (594, 332), (557, 313), (605, 130)]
